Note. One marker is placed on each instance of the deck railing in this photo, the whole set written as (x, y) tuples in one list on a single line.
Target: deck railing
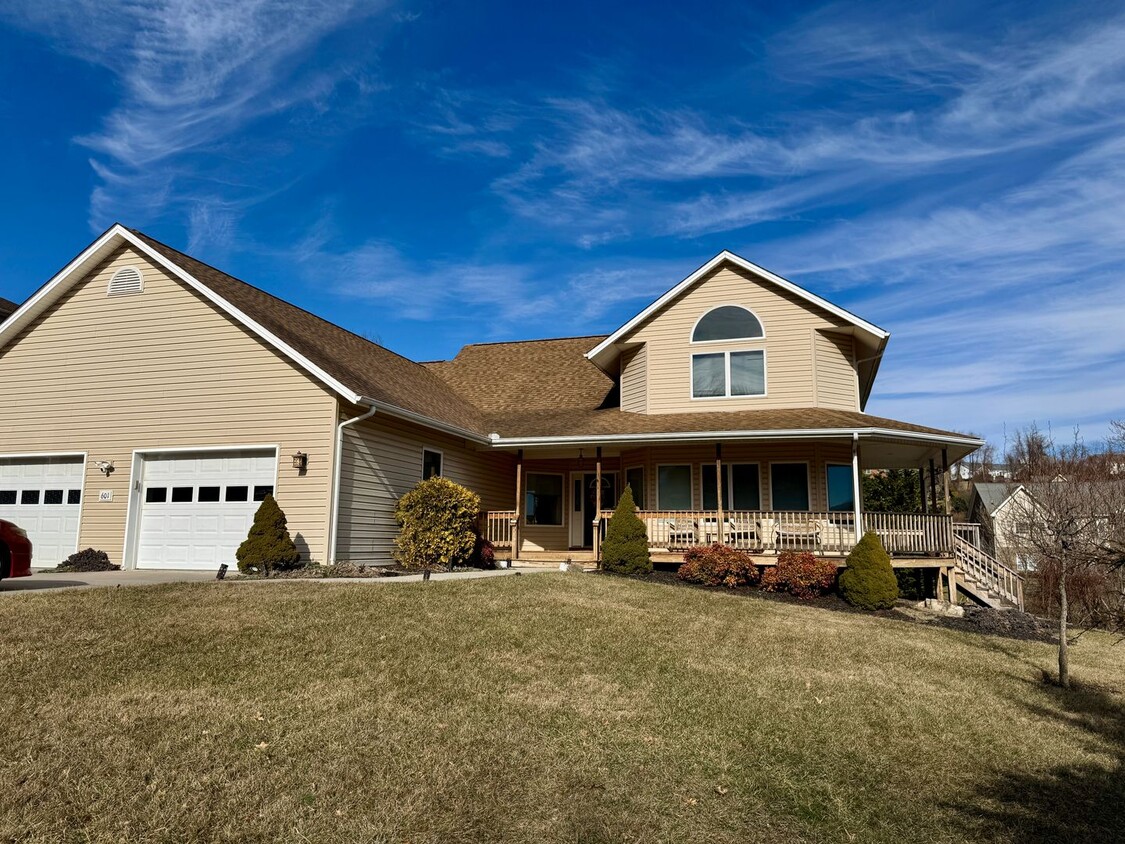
[(991, 572), (773, 531), (497, 527), (968, 531)]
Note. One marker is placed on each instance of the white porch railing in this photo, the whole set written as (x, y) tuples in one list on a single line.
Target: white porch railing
[(773, 531), (497, 526)]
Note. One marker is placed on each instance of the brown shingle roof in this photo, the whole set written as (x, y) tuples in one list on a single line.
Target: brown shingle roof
[(7, 308), (536, 388), (529, 376), (576, 422), (547, 388), (366, 367)]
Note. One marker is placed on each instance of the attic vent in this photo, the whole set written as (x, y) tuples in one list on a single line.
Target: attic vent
[(126, 280)]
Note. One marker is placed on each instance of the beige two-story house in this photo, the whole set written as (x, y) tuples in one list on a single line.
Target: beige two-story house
[(153, 401)]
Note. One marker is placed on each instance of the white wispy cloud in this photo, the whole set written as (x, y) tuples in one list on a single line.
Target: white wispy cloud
[(193, 77)]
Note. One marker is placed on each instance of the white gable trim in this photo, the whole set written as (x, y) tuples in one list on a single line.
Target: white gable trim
[(100, 249), (878, 333)]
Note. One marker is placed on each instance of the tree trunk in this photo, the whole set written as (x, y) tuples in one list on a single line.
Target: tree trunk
[(1064, 657)]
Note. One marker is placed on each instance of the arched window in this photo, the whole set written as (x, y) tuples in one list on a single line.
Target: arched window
[(728, 374), (727, 322)]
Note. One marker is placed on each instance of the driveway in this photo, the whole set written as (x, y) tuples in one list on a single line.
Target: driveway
[(42, 581)]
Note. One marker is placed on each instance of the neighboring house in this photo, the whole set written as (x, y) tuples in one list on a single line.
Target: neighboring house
[(7, 308), (1002, 511), (152, 401)]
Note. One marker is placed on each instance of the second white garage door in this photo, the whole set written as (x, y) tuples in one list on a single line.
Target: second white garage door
[(197, 508)]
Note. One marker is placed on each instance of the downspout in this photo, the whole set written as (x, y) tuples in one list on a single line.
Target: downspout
[(857, 488), (336, 466)]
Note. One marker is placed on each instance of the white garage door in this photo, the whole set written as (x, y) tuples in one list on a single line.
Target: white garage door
[(43, 496), (196, 509)]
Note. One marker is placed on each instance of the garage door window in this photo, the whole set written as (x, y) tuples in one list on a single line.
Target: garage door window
[(7, 496), (29, 496), (74, 496), (260, 492), (53, 496), (237, 493), (182, 494), (208, 494), (156, 495)]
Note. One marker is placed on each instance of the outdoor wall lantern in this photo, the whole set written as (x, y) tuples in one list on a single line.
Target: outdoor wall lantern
[(300, 461)]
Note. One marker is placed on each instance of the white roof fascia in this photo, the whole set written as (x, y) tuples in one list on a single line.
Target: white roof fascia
[(878, 333), (410, 416), (694, 436)]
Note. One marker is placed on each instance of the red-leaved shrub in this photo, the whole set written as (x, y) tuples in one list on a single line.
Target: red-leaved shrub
[(718, 565), (802, 575)]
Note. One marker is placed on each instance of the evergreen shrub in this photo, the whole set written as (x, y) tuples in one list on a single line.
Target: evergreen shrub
[(869, 580), (625, 547), (268, 546), (437, 525)]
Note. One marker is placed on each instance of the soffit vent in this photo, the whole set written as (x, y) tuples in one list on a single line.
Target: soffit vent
[(126, 280)]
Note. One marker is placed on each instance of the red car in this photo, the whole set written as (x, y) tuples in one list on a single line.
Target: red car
[(15, 551)]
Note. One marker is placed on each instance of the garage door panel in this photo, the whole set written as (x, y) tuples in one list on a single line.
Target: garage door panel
[(197, 508), (43, 496)]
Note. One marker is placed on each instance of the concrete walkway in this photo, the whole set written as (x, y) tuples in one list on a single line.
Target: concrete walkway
[(45, 581)]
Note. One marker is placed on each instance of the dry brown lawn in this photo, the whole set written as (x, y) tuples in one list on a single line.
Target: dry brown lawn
[(538, 708)]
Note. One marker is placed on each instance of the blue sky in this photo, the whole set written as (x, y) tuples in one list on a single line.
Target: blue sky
[(429, 174)]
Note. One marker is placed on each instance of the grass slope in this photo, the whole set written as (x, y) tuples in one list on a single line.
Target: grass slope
[(540, 708)]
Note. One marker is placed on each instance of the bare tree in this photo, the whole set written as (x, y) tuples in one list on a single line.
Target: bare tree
[(1071, 527)]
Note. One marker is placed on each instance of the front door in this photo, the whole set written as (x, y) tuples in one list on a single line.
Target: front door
[(583, 504)]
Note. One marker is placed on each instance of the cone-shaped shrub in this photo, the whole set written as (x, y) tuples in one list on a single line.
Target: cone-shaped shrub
[(437, 525), (625, 548), (869, 581), (268, 545)]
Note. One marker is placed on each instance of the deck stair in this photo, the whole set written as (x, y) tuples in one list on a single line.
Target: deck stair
[(985, 579)]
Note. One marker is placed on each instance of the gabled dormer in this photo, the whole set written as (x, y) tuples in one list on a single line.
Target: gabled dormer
[(734, 336)]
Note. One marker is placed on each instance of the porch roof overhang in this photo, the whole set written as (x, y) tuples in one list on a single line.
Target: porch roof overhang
[(880, 448)]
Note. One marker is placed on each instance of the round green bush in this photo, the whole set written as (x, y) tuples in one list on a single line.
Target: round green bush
[(625, 547), (869, 581), (268, 546), (437, 525)]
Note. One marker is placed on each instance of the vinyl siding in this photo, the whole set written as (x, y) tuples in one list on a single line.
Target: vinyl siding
[(160, 369), (634, 383), (382, 460), (787, 319), (557, 537), (836, 383)]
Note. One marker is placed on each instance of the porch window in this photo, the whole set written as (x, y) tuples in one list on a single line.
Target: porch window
[(431, 464), (635, 478), (789, 486), (673, 487), (728, 374), (740, 486), (841, 491), (544, 501)]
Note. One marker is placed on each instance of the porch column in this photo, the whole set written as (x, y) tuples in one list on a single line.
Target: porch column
[(857, 489), (922, 487), (719, 492), (598, 507), (519, 506), (945, 477), (952, 584), (933, 484)]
